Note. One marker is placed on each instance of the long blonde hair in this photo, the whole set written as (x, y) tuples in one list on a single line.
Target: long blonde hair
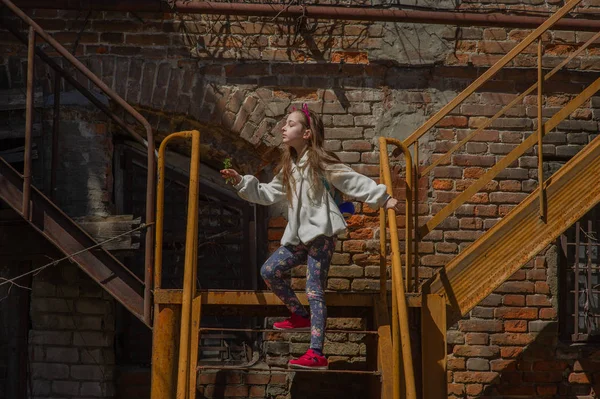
[(318, 157)]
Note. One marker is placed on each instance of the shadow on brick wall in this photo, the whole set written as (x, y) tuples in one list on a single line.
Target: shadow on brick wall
[(546, 367)]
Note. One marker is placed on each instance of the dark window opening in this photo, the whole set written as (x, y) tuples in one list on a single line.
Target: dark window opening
[(579, 280), (227, 255)]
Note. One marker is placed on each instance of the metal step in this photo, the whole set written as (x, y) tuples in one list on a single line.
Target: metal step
[(494, 257), (273, 330), (248, 298), (286, 370), (67, 236)]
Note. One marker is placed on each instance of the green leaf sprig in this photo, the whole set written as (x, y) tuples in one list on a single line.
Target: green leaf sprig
[(227, 165)]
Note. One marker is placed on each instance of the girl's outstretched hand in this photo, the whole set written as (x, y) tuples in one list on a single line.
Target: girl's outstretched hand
[(392, 203), (231, 176)]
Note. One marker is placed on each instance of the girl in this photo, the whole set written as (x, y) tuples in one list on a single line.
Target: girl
[(314, 220)]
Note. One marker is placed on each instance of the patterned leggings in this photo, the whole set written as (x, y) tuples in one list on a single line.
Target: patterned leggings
[(319, 252)]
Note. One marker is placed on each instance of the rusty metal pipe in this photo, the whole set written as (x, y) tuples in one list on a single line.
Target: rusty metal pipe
[(55, 132), (28, 125), (191, 239), (456, 18), (150, 189)]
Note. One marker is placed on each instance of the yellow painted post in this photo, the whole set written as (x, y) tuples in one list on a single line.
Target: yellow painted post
[(415, 190), (384, 348), (189, 283), (196, 301), (396, 345), (541, 134), (433, 346), (165, 344), (164, 351), (382, 248), (194, 344)]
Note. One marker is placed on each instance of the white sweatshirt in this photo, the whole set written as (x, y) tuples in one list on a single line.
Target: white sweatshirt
[(313, 212)]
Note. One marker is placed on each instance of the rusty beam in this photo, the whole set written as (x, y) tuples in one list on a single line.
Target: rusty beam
[(457, 18), (28, 125), (61, 231), (267, 298), (55, 133)]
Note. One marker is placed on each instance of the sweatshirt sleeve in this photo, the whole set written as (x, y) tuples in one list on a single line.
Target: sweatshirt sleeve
[(358, 186), (250, 189)]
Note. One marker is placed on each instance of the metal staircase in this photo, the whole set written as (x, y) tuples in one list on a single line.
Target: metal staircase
[(526, 230), (178, 313), (43, 215)]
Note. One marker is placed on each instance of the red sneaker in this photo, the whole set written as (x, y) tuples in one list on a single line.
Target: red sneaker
[(310, 360), (295, 322)]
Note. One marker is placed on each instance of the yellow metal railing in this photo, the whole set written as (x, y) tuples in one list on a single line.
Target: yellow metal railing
[(189, 330), (413, 139), (400, 325), (412, 143), (413, 231)]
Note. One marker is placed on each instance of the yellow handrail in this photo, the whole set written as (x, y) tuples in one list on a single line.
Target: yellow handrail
[(399, 307), (509, 159), (421, 231), (514, 102), (191, 240), (533, 36)]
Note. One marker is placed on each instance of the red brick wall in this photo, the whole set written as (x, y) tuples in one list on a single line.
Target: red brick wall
[(236, 78)]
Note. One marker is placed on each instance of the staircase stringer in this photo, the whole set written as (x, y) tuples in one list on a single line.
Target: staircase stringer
[(521, 235), (66, 235)]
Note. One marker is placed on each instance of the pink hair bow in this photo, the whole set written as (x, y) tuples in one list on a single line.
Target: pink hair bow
[(305, 111)]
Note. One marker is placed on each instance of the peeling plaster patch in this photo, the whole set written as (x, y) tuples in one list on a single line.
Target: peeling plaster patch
[(413, 44), (399, 122), (399, 119), (440, 98)]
